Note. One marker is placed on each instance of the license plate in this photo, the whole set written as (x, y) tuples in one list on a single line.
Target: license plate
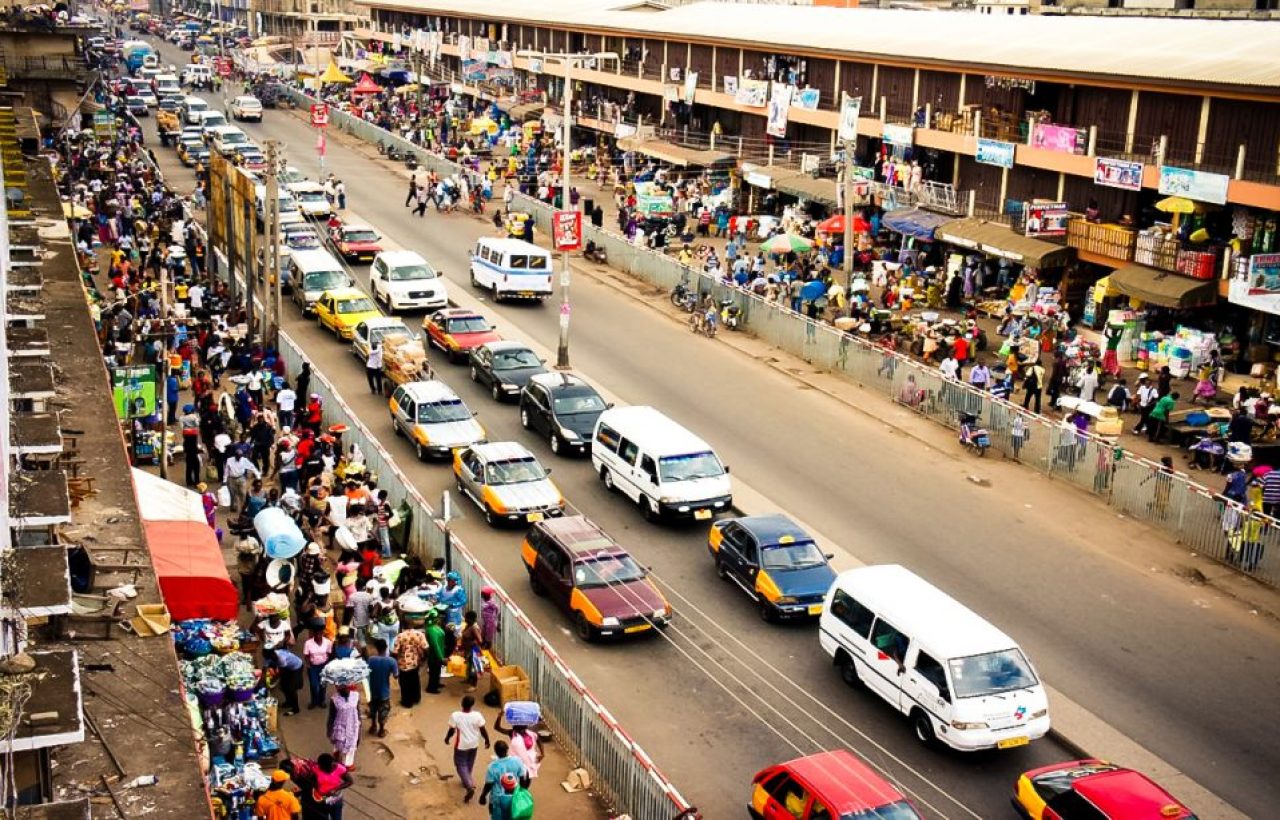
[(1011, 742), (640, 628), (535, 517), (815, 609), (701, 515)]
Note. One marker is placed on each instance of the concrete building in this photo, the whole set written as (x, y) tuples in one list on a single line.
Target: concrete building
[(44, 62)]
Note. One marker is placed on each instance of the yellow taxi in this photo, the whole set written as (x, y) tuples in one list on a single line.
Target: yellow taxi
[(342, 309)]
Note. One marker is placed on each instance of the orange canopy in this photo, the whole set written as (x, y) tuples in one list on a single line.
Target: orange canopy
[(192, 573), (366, 85)]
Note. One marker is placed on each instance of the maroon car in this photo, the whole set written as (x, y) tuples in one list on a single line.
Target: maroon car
[(357, 243)]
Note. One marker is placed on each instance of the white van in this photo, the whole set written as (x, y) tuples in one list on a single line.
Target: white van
[(192, 107), (312, 272), (210, 119), (198, 75), (511, 268), (960, 680), (167, 85), (225, 138), (403, 280), (665, 469)]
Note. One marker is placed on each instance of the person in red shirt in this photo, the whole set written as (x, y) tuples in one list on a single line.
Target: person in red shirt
[(961, 352)]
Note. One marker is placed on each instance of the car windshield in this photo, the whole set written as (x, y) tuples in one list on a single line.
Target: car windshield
[(513, 471), (515, 359), (311, 196), (248, 102), (438, 412), (364, 235), (235, 138), (469, 324), (291, 175), (689, 466), (902, 810), (606, 570), (793, 556), (575, 405), (991, 674), (361, 304), (411, 273), (378, 332), (302, 241), (324, 280)]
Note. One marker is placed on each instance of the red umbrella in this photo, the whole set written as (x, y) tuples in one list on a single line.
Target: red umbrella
[(835, 225), (366, 85)]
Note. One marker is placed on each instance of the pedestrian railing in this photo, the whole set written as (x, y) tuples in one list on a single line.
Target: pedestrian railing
[(623, 776), (1193, 514)]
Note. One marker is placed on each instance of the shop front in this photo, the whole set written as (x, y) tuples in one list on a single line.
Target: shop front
[(1032, 272)]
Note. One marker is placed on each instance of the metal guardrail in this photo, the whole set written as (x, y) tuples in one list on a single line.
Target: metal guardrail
[(1193, 514), (623, 776)]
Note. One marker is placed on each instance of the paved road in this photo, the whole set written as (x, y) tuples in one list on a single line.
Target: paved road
[(1194, 682)]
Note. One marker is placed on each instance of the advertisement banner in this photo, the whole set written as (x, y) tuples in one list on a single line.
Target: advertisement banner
[(807, 98), (1260, 289), (535, 65), (730, 85), (566, 230), (1196, 185), (134, 391), (1117, 173), (752, 93), (474, 71), (320, 115), (850, 110), (690, 87), (1045, 218), (779, 106), (898, 134), (994, 152), (1062, 138)]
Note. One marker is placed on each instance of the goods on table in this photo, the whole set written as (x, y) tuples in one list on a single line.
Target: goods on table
[(345, 672), (200, 636), (1115, 241), (273, 603), (1158, 248), (404, 359), (1197, 264), (1182, 353)]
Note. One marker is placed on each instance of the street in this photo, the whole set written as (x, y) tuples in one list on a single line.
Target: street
[(1091, 597)]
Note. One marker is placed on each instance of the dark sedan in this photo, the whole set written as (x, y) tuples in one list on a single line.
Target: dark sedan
[(562, 407), (505, 367)]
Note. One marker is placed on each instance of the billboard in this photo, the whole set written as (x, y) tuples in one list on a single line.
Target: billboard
[(133, 389), (1117, 173), (1197, 185), (994, 152), (1045, 218)]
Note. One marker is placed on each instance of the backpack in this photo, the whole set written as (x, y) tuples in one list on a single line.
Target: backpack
[(521, 804)]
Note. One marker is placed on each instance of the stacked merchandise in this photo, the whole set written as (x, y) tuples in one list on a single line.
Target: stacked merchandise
[(1114, 241), (1197, 264), (227, 704), (404, 359), (1157, 248), (1182, 353)]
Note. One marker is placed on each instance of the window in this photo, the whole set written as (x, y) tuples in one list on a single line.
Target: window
[(628, 451), (650, 469), (791, 796), (991, 673), (856, 616), (889, 640), (933, 672), (819, 811), (608, 438), (537, 263), (518, 262), (748, 548)]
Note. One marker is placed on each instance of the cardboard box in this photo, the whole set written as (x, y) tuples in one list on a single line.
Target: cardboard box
[(512, 683)]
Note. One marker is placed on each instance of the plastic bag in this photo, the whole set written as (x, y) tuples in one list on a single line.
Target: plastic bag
[(224, 496), (522, 713), (521, 804), (457, 666)]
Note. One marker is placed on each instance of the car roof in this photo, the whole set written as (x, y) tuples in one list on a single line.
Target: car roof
[(579, 535), (502, 451), (430, 390), (461, 313), (510, 243), (403, 258), (386, 321), (771, 530), (243, 97), (920, 609), (305, 185), (652, 430), (557, 379), (845, 784), (346, 293), (1128, 793), (502, 345), (356, 226)]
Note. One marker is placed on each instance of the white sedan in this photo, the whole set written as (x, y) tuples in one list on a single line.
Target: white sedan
[(246, 108)]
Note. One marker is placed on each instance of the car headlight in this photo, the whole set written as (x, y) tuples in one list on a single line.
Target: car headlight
[(963, 725), (659, 613), (1039, 713), (610, 622), (567, 434), (668, 499)]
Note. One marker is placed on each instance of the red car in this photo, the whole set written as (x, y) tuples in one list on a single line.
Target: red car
[(1093, 790), (357, 243), (457, 331), (826, 786)]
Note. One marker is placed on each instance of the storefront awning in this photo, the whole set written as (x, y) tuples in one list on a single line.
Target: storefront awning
[(672, 153), (526, 111), (915, 222), (1000, 240), (815, 189), (1164, 288)]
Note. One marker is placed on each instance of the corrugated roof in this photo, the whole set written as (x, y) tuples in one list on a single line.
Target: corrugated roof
[(1215, 52)]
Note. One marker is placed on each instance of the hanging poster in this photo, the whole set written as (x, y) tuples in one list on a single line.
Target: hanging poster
[(807, 98), (850, 110), (1117, 173), (898, 134), (730, 85), (779, 104), (1045, 218), (1061, 138), (535, 65), (134, 391), (752, 93), (464, 46), (505, 59), (690, 87), (1196, 185), (994, 152), (1259, 289), (474, 71)]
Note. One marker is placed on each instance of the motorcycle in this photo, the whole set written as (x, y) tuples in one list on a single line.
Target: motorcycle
[(410, 161), (683, 296), (704, 322), (595, 253), (730, 314), (972, 436)]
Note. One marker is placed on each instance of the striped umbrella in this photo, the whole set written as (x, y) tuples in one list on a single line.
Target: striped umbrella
[(787, 243)]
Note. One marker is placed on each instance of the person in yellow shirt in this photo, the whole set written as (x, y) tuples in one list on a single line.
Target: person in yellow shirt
[(277, 802)]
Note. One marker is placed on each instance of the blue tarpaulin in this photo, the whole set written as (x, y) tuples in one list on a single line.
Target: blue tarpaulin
[(915, 222)]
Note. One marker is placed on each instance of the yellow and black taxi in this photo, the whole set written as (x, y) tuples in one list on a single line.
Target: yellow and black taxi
[(1093, 790), (592, 578), (775, 562), (342, 309), (433, 418), (507, 482), (826, 786)]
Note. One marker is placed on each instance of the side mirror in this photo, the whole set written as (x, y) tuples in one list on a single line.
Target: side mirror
[(547, 470), (726, 469), (828, 555)]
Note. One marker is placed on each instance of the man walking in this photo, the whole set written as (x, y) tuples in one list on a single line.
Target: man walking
[(382, 668), (373, 368), (190, 423), (503, 765), (413, 191), (1146, 399), (239, 468), (408, 650), (1034, 384), (277, 802), (466, 730), (437, 653)]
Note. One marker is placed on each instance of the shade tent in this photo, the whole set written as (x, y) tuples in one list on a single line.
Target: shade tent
[(1163, 288), (366, 86), (914, 222), (184, 551), (1000, 240), (333, 74)]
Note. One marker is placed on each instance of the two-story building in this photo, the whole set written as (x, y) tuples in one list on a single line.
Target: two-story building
[(43, 59)]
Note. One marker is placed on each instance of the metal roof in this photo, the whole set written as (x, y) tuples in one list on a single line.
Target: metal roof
[(1215, 52)]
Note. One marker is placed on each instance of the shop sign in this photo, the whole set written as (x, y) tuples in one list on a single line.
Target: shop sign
[(1062, 138), (850, 110), (566, 230), (535, 65), (320, 115), (807, 98), (1117, 173), (1046, 218), (1006, 83), (994, 152), (1197, 185), (898, 134), (758, 179), (134, 391)]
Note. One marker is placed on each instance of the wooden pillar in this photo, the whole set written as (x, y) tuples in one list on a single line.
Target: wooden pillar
[(1132, 123), (875, 79), (1203, 132), (915, 95)]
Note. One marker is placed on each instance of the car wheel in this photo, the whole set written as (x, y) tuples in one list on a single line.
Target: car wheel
[(922, 727), (422, 451), (474, 282), (722, 571), (395, 428), (496, 391), (849, 670), (524, 419), (583, 627), (490, 517), (555, 443), (536, 586), (647, 510), (475, 374), (607, 478), (766, 611)]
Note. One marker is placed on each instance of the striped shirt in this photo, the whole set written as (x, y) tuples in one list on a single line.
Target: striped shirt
[(1271, 488)]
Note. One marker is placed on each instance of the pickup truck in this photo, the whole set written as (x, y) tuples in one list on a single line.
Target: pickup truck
[(169, 125)]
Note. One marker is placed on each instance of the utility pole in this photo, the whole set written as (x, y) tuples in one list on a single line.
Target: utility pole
[(273, 239), (163, 377), (250, 275), (848, 214), (562, 351)]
